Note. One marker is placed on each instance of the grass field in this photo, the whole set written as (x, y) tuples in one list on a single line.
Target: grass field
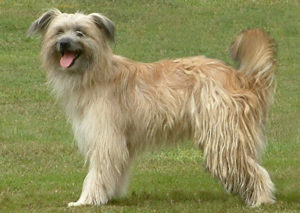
[(40, 167)]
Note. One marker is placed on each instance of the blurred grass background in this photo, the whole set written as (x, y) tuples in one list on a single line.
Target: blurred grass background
[(40, 168)]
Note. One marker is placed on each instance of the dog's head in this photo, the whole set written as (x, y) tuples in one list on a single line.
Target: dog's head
[(73, 42)]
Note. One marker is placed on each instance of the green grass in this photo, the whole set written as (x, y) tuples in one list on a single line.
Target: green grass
[(40, 168)]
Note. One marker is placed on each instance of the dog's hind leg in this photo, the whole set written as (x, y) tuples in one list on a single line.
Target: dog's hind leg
[(232, 138), (240, 173), (108, 171)]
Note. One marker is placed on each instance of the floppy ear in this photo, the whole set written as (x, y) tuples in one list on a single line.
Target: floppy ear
[(41, 24), (104, 23)]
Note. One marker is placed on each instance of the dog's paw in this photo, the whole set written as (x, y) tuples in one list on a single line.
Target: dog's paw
[(74, 204)]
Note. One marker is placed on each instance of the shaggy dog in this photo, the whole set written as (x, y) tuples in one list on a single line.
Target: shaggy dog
[(119, 107)]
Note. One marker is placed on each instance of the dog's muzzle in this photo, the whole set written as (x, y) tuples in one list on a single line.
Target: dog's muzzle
[(70, 51)]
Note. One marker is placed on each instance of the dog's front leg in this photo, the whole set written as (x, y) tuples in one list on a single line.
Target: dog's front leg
[(108, 170)]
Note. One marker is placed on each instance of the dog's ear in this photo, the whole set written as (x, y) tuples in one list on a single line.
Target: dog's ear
[(41, 24), (104, 23)]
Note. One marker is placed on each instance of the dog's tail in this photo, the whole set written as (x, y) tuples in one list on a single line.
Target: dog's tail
[(254, 50)]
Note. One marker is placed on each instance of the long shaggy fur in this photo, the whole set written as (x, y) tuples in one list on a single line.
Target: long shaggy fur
[(119, 107)]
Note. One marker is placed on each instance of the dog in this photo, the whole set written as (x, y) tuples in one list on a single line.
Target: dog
[(118, 107)]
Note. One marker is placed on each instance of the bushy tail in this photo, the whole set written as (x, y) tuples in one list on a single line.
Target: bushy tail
[(254, 50)]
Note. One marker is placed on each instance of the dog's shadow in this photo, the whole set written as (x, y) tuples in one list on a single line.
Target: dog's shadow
[(291, 197), (180, 196), (173, 197)]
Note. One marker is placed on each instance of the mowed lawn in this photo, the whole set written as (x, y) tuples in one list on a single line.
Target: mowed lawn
[(40, 167)]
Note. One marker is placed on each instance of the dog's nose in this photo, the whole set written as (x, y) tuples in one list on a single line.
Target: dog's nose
[(68, 44), (64, 44)]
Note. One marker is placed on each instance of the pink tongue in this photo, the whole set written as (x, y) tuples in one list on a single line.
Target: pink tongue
[(67, 59)]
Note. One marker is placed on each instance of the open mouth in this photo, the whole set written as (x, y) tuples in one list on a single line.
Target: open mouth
[(68, 58)]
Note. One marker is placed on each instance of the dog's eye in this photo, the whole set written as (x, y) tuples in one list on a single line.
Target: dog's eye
[(59, 31), (80, 33)]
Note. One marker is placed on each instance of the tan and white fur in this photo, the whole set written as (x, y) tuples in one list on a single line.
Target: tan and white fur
[(119, 107)]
